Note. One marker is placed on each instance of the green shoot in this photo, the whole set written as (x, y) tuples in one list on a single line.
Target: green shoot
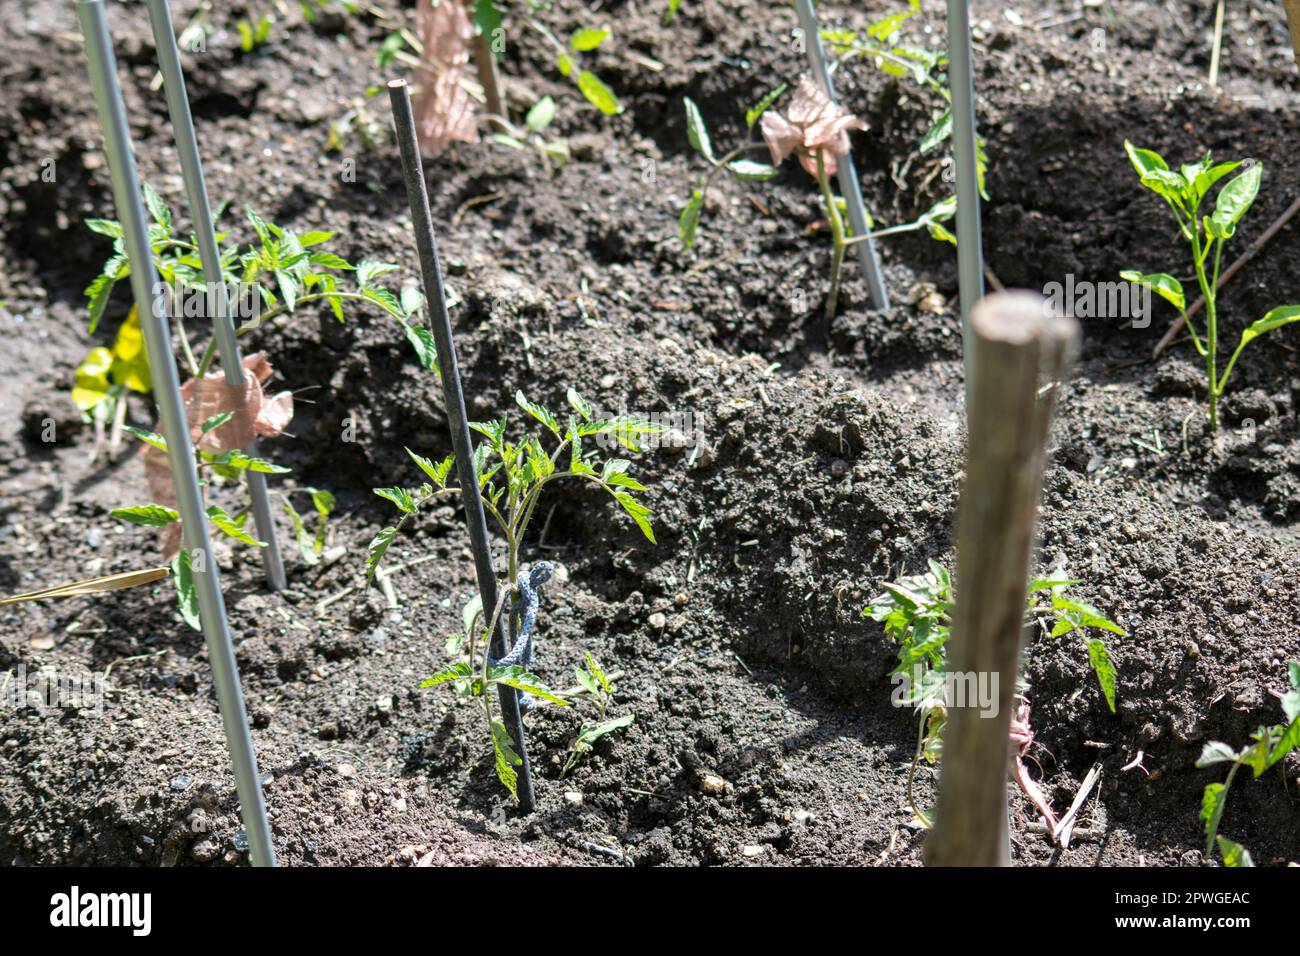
[(599, 687), (1267, 748)]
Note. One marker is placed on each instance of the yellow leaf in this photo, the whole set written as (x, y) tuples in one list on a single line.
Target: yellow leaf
[(130, 360), (91, 383)]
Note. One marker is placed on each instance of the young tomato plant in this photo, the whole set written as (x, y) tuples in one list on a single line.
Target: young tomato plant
[(1267, 748), (917, 614), (1185, 191), (276, 276), (583, 40), (512, 477), (742, 170), (880, 44), (553, 150), (814, 130), (600, 687)]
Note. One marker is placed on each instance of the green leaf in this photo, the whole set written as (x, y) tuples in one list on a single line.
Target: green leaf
[(1289, 741), (1213, 802), (426, 348), (597, 673), (487, 18), (564, 63), (541, 115), (187, 598), (216, 421), (148, 437), (385, 300), (506, 758), (1144, 160), (670, 11), (378, 546), (524, 682), (153, 516), (105, 227), (696, 132), (579, 404), (227, 526), (328, 260), (939, 131), (755, 112), (1165, 286), (398, 496), (1235, 199), (1099, 657), (240, 462), (590, 735), (302, 537), (538, 412), (1216, 752), (588, 682), (598, 94), (639, 513), (750, 171), (455, 672), (158, 210), (437, 473), (1275, 319), (1234, 854), (688, 223), (588, 38)]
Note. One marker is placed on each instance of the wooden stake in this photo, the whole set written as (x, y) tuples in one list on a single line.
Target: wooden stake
[(1019, 354)]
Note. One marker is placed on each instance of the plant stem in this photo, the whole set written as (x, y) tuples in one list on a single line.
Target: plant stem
[(1211, 323), (837, 238)]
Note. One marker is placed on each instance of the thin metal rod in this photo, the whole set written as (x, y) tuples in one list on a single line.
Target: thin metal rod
[(970, 248), (196, 191), (102, 66), (454, 397), (850, 188)]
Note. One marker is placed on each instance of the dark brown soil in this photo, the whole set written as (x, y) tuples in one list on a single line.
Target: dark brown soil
[(743, 651)]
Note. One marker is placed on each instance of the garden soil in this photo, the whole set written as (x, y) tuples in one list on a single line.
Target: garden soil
[(815, 468)]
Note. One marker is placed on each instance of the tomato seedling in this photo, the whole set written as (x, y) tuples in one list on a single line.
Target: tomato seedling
[(512, 477), (1267, 748)]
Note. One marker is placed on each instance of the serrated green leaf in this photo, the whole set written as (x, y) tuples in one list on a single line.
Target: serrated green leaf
[(1102, 666), (153, 516), (755, 112), (377, 548), (187, 598)]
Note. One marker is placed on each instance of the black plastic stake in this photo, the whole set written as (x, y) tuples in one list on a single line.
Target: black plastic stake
[(454, 396)]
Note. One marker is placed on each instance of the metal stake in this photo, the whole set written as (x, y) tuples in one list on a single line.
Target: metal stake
[(847, 172), (196, 191), (102, 65), (454, 397), (970, 249)]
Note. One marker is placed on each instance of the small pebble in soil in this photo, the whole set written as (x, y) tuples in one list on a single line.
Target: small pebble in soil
[(752, 850), (180, 782), (657, 621), (712, 784), (573, 798), (205, 851)]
